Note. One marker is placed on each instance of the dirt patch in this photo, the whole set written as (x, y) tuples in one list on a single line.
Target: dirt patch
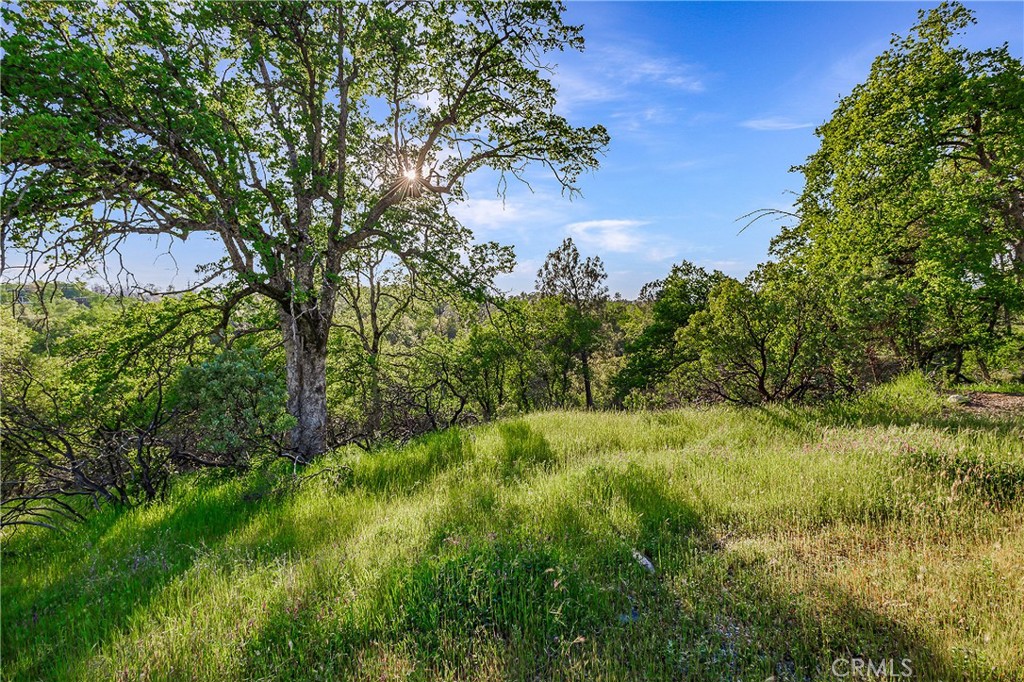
[(994, 404)]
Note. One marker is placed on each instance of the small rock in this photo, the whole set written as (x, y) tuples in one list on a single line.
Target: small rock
[(957, 399), (643, 561)]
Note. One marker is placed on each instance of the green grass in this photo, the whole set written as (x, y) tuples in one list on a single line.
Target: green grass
[(887, 527)]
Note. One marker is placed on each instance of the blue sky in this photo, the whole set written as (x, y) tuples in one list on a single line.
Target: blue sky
[(708, 106)]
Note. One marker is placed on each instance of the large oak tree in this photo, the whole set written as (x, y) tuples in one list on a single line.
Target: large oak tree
[(914, 204), (292, 132)]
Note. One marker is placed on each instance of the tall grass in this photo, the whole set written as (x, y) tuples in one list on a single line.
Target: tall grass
[(781, 540)]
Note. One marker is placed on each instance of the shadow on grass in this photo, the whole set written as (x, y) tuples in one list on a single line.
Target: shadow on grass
[(997, 483), (946, 419), (522, 451), (558, 594), (512, 581), (742, 620), (116, 569), (800, 421)]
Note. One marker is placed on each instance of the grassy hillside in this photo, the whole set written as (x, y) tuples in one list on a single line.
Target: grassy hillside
[(781, 540)]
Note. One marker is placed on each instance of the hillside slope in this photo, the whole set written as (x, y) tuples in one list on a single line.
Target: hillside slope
[(780, 541)]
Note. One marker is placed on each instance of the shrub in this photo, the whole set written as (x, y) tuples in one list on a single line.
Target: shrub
[(231, 409)]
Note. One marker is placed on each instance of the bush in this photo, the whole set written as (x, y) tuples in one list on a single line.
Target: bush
[(231, 409)]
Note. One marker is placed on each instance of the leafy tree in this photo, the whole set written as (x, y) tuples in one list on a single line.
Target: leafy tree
[(376, 292), (486, 361), (914, 204), (411, 355), (552, 347), (653, 355), (293, 132), (579, 284), (113, 396), (765, 340)]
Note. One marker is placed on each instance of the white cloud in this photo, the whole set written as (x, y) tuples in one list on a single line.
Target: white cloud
[(576, 88), (618, 236), (522, 278), (685, 164), (660, 70), (615, 75), (726, 264), (661, 253), (774, 123), (844, 73), (642, 118), (498, 214), (430, 100), (733, 268)]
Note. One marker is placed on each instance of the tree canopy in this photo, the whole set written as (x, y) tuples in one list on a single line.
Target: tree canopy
[(914, 203), (579, 284), (292, 132)]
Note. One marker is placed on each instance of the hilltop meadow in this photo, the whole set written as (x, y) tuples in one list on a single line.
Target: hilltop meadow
[(339, 449), (719, 543)]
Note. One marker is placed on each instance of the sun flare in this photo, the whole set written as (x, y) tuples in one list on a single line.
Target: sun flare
[(411, 175)]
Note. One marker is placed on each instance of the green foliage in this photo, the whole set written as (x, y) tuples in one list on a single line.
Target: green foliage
[(99, 100), (654, 354), (912, 210), (910, 396), (578, 284), (234, 405), (550, 326), (296, 134), (87, 409), (765, 340), (111, 398), (517, 550)]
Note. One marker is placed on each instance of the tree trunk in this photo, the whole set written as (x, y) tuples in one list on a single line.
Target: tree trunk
[(956, 374), (375, 413), (982, 366), (305, 344), (585, 360)]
